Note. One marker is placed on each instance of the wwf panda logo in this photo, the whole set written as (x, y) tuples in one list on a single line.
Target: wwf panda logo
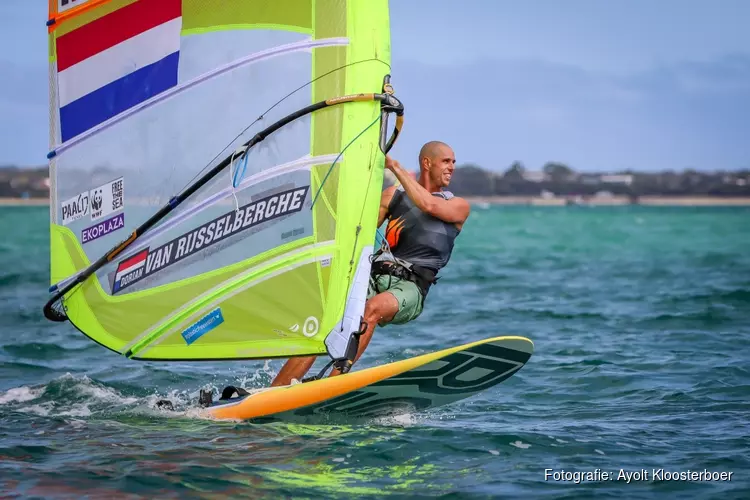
[(96, 200)]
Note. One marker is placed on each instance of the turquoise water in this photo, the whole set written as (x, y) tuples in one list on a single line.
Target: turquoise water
[(640, 317)]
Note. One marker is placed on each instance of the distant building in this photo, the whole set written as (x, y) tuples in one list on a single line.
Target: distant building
[(589, 179), (534, 176), (733, 179), (617, 179), (547, 195)]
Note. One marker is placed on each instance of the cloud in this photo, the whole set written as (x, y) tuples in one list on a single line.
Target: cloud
[(497, 111), (494, 112)]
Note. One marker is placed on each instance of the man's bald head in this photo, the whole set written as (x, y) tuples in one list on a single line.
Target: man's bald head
[(436, 163), (431, 150)]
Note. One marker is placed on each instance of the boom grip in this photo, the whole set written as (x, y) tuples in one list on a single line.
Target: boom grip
[(389, 104), (394, 136)]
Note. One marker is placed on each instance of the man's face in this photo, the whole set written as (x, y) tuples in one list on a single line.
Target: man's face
[(441, 166)]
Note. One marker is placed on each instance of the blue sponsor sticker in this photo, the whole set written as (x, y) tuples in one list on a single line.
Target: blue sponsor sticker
[(203, 326)]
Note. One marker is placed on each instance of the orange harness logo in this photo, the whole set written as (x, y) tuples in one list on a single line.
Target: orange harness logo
[(393, 231)]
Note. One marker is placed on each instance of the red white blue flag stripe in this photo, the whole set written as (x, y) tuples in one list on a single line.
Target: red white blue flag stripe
[(126, 267), (116, 62)]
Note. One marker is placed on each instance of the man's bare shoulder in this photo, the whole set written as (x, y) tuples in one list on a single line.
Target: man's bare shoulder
[(388, 193), (459, 210), (464, 200), (390, 190), (458, 200)]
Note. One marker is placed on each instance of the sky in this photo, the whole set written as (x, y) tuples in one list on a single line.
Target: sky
[(599, 85)]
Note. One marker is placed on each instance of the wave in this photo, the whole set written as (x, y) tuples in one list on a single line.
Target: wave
[(44, 350), (738, 296)]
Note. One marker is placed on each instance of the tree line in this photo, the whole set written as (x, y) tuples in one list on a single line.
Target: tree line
[(560, 179), (471, 180)]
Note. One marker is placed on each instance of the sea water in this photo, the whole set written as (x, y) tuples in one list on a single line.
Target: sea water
[(639, 386)]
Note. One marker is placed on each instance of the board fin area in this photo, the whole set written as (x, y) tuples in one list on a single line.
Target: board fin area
[(414, 384)]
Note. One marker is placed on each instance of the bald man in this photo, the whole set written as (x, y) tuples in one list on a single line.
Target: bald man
[(423, 222)]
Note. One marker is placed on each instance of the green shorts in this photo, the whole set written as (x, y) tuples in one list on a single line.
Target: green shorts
[(407, 293)]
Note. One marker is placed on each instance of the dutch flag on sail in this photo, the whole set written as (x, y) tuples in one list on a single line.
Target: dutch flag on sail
[(116, 62), (130, 270)]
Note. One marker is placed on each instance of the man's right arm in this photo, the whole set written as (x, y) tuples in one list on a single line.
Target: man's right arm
[(385, 201)]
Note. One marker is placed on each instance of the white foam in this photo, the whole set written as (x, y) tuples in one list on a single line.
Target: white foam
[(105, 394), (81, 386), (626, 445), (255, 378), (41, 410), (519, 444), (80, 410), (402, 420), (77, 424), (20, 395)]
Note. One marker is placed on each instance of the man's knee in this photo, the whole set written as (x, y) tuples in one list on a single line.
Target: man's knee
[(407, 303), (381, 307)]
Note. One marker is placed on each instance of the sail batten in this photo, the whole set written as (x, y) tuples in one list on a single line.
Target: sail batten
[(222, 262)]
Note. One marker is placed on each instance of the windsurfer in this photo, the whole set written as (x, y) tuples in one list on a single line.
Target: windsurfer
[(423, 222)]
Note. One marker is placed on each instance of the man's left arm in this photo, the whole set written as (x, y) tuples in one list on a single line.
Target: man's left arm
[(453, 211)]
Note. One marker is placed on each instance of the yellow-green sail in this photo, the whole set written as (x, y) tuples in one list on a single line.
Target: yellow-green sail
[(146, 97)]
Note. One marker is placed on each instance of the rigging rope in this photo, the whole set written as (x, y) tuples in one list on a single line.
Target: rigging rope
[(330, 169)]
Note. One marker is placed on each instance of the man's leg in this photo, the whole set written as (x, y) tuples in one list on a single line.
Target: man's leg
[(381, 307), (293, 368)]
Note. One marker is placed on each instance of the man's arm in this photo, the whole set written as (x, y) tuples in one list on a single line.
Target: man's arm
[(456, 210), (385, 201)]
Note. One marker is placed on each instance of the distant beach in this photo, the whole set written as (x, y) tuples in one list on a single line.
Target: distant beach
[(23, 202), (676, 201)]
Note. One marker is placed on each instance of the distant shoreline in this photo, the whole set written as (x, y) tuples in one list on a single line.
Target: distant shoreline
[(559, 201), (671, 201), (24, 202)]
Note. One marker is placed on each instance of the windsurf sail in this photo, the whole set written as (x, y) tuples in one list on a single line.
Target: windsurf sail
[(215, 170)]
